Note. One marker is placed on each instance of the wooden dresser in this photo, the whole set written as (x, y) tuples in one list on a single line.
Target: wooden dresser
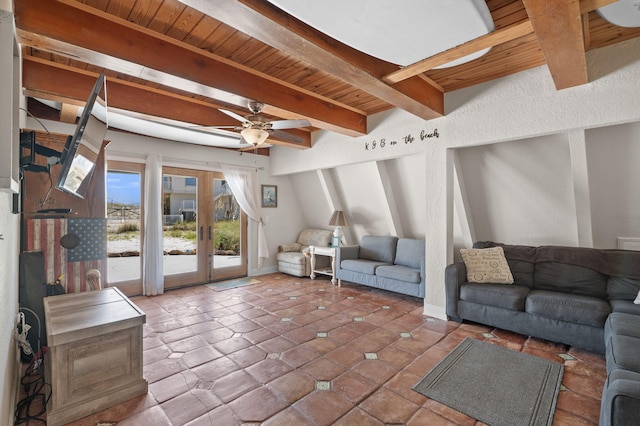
[(95, 353)]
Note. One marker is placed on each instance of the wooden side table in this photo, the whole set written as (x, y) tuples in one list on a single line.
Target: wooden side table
[(323, 251), (95, 353)]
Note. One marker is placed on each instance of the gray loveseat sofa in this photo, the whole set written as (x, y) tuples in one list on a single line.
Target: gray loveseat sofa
[(578, 296), (385, 262)]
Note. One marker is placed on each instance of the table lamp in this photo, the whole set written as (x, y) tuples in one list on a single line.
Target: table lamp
[(338, 219)]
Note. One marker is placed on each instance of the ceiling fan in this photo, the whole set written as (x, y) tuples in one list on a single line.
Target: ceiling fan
[(255, 129)]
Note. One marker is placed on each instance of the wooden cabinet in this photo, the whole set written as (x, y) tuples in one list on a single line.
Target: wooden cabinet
[(95, 353)]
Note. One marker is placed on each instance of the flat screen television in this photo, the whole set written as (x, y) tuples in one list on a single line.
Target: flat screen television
[(81, 150)]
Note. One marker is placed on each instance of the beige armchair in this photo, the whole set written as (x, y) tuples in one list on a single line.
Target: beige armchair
[(294, 258)]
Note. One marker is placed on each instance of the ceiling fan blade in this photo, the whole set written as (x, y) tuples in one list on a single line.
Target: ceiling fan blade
[(289, 124), (215, 127), (233, 115), (253, 148), (286, 136)]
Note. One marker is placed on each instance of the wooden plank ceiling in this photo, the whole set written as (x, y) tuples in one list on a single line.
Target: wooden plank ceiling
[(183, 60)]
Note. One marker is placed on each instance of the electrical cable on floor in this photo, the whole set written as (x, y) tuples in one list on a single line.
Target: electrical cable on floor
[(38, 392)]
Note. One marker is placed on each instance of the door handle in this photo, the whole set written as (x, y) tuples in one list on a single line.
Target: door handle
[(209, 233), (201, 233)]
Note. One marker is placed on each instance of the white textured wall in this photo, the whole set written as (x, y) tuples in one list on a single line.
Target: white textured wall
[(9, 249), (613, 154), (314, 211), (379, 198), (9, 222), (521, 192), (407, 175), (365, 199)]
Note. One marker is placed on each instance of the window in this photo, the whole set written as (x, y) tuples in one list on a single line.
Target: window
[(167, 183), (124, 222)]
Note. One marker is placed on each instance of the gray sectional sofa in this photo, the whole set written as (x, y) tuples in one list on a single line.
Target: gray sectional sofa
[(578, 296), (385, 262)]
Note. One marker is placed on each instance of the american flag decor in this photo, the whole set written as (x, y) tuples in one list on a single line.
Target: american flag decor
[(91, 252)]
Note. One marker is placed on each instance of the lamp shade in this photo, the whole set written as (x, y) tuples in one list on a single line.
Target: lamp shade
[(338, 218), (254, 136)]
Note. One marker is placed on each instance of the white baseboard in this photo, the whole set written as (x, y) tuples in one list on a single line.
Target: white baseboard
[(628, 243), (434, 311), (263, 271)]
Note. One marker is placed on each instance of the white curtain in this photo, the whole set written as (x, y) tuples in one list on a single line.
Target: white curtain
[(152, 267), (244, 184)]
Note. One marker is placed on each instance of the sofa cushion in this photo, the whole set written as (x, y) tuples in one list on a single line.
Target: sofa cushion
[(362, 266), (621, 288), (378, 248), (315, 237), (566, 278), (522, 272), (622, 352), (409, 252), (487, 266), (290, 247), (399, 272), (622, 323), (568, 307), (294, 257), (625, 306), (502, 296)]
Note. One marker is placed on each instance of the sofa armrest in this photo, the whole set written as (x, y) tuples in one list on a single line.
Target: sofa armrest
[(423, 289), (621, 400), (454, 276), (289, 247), (346, 252)]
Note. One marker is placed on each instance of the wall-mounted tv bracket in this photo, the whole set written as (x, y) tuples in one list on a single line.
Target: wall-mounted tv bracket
[(28, 150)]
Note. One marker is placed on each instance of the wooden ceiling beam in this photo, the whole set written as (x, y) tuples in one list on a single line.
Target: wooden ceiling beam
[(266, 23), (68, 113), (48, 80), (558, 27), (57, 81), (499, 36), (494, 38), (163, 58), (305, 144), (587, 6)]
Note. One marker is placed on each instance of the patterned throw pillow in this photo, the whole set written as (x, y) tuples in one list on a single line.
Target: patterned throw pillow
[(487, 266)]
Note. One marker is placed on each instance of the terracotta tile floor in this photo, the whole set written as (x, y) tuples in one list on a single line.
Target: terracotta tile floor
[(291, 351)]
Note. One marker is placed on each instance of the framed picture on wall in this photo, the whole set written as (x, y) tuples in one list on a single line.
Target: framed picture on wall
[(269, 196)]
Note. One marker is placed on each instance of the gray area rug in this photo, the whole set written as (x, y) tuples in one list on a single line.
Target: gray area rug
[(495, 385)]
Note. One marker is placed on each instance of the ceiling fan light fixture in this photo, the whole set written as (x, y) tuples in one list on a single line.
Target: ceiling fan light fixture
[(254, 136)]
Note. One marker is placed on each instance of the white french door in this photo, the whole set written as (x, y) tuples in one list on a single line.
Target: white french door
[(204, 230)]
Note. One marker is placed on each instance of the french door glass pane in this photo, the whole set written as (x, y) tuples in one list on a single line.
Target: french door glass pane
[(123, 226), (227, 226), (180, 224)]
